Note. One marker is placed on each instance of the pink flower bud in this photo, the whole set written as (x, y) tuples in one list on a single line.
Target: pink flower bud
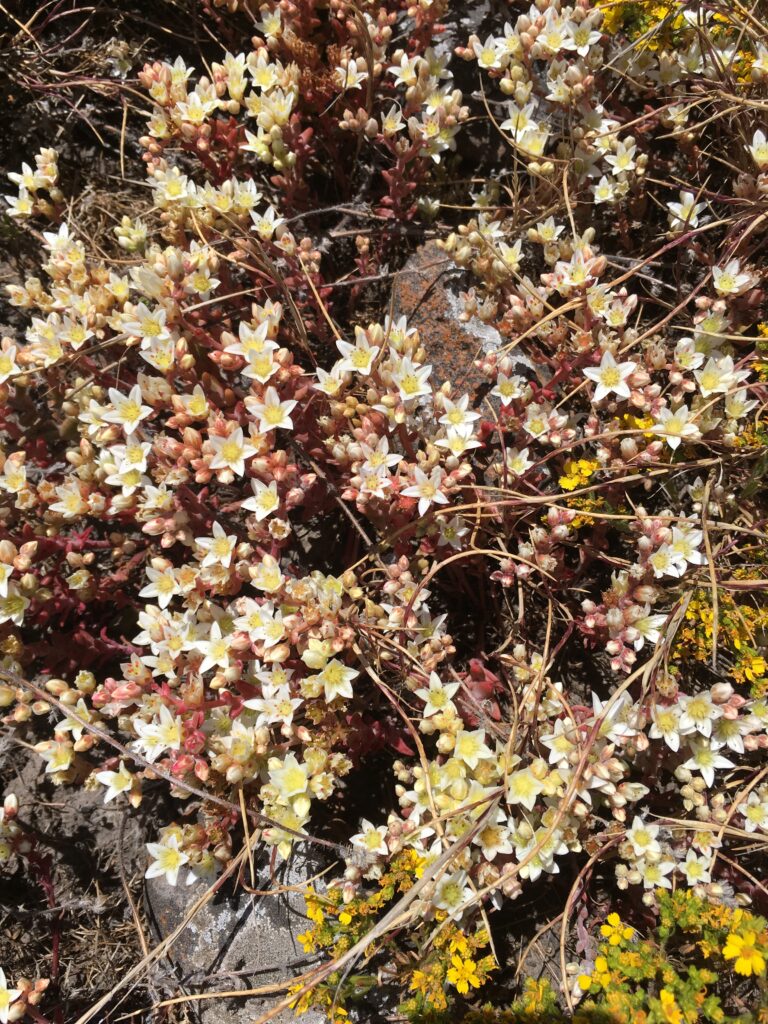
[(126, 691)]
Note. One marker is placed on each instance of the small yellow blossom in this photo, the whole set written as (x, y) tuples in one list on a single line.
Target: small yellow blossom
[(419, 983), (463, 974), (577, 473), (615, 931), (458, 944), (669, 1007), (742, 949), (601, 975)]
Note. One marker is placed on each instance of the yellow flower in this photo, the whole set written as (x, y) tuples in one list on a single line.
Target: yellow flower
[(707, 949), (301, 1005), (569, 483), (438, 999), (534, 996), (307, 939), (669, 1007), (463, 974), (741, 948), (615, 931), (613, 17), (345, 917), (314, 910), (577, 473), (458, 943), (754, 666), (419, 983), (602, 975), (632, 960)]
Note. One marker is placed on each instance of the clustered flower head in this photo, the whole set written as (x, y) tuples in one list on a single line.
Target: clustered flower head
[(634, 974), (256, 104), (204, 412)]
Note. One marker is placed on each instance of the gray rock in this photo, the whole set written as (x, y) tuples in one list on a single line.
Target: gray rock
[(237, 942), (427, 292), (461, 21)]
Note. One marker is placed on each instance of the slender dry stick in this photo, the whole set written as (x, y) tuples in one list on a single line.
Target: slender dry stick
[(742, 870), (127, 890), (246, 834), (711, 568)]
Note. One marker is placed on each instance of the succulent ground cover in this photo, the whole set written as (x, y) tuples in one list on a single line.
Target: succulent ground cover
[(495, 647)]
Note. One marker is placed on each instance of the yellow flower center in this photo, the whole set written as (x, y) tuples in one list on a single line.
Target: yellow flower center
[(231, 451), (273, 414), (294, 780), (410, 384), (198, 405), (360, 358)]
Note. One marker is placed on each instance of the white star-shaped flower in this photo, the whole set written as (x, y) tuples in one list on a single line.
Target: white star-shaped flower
[(265, 499), (357, 358), (116, 782), (426, 488), (126, 410), (231, 452), (611, 377), (218, 548), (437, 696), (270, 411), (676, 426), (168, 860)]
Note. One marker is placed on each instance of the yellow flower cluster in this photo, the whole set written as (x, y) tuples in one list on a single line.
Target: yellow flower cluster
[(616, 931), (578, 473), (659, 979), (586, 503), (740, 627), (337, 925), (453, 960), (659, 25), (321, 998), (755, 433), (745, 935), (637, 17), (599, 976), (617, 934)]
